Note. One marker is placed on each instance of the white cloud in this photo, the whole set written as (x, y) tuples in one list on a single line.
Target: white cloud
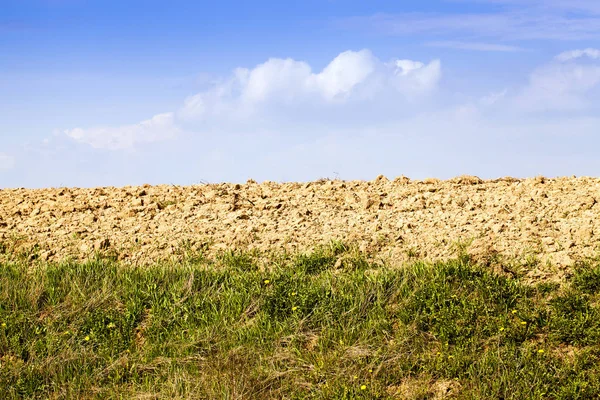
[(280, 78), (351, 76), (345, 72), (158, 128), (474, 46), (405, 67), (289, 79), (281, 91), (6, 162), (575, 54), (416, 78), (560, 86)]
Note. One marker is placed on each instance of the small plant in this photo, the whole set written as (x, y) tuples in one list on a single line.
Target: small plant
[(162, 204), (412, 252), (461, 246), (587, 278)]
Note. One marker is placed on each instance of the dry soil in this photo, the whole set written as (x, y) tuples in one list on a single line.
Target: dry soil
[(554, 220)]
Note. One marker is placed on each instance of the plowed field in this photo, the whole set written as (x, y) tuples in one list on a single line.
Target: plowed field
[(555, 221)]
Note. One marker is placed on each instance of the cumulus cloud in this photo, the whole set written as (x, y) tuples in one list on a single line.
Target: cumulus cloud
[(6, 162), (345, 72), (283, 91), (415, 77), (158, 128), (287, 79), (351, 76)]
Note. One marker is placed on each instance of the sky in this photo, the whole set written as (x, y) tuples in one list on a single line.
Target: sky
[(115, 93)]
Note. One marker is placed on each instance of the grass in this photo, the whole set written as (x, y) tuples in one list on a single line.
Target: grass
[(306, 326)]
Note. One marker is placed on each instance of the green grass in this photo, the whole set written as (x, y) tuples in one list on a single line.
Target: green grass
[(302, 327)]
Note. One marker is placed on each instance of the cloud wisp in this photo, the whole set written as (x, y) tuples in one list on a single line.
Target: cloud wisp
[(508, 20), (475, 46), (563, 85), (158, 128), (587, 6), (593, 54)]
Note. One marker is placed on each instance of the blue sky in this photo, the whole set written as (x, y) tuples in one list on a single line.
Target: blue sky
[(131, 92)]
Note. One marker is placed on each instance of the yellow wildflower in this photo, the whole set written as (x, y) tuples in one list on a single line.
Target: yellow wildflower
[(363, 387), (294, 308), (267, 281), (87, 338)]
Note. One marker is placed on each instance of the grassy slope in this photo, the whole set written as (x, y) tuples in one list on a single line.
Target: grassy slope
[(304, 327)]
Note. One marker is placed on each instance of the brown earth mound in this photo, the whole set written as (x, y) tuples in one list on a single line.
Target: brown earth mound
[(555, 220)]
